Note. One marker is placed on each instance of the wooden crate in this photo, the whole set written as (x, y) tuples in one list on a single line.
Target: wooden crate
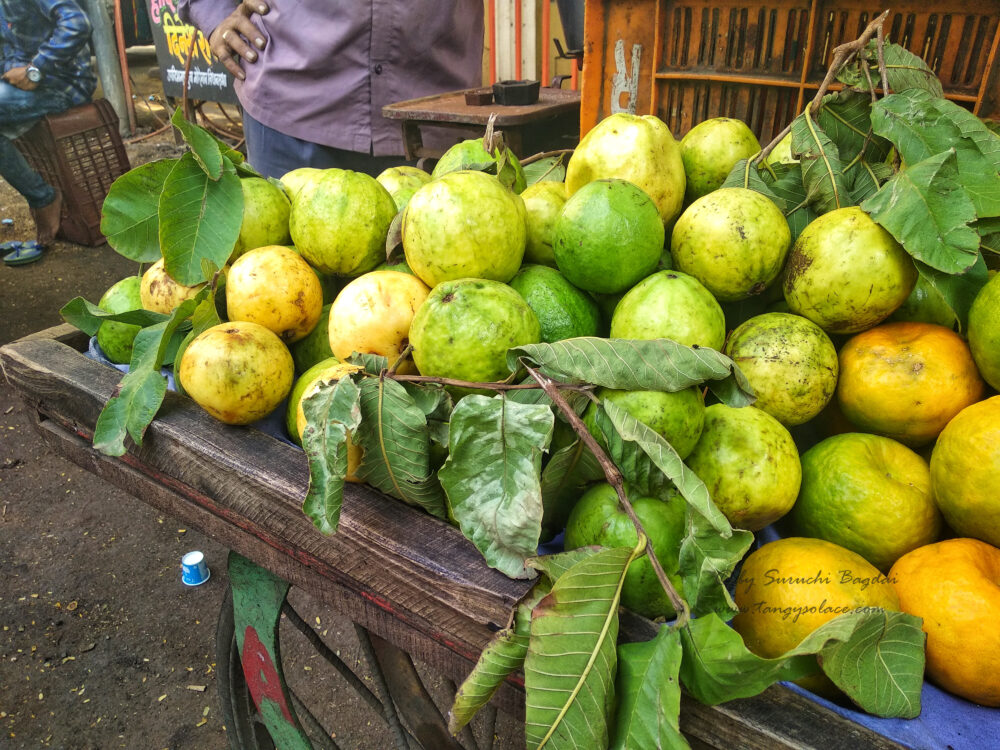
[(688, 60)]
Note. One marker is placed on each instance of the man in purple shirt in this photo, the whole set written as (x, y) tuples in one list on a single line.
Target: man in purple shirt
[(313, 77)]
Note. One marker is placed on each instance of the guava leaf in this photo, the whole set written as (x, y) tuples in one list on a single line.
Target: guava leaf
[(707, 560), (332, 412), (129, 214), (397, 446), (989, 234), (373, 364), (549, 169), (957, 290), (928, 212), (199, 218), (864, 179), (921, 125), (880, 664), (553, 566), (822, 167), (432, 399), (139, 394), (846, 117), (649, 694), (204, 146), (503, 656), (491, 477), (394, 239), (903, 69), (569, 672), (650, 464), (88, 317), (875, 657), (625, 364), (567, 472)]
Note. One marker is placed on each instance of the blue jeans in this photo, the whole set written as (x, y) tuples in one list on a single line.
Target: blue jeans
[(17, 109), (273, 153)]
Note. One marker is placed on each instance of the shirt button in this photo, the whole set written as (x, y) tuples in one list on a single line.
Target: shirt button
[(378, 69)]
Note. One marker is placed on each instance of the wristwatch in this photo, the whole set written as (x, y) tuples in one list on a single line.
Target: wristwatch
[(34, 74)]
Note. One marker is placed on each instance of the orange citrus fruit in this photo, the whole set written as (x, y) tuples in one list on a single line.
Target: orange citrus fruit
[(965, 471), (954, 586), (788, 588), (906, 380)]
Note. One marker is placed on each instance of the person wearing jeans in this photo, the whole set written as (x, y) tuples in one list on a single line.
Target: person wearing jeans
[(46, 68)]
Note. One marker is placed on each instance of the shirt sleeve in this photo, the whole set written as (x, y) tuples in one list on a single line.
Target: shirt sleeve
[(71, 32), (205, 15)]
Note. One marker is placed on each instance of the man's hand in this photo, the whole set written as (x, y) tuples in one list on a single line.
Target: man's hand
[(231, 40), (19, 77)]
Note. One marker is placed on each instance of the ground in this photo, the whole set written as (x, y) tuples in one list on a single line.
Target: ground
[(102, 646)]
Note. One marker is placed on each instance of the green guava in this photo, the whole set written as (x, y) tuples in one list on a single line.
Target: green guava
[(710, 150), (670, 305), (543, 202), (265, 216), (846, 273), (608, 237), (984, 331), (637, 148), (465, 327), (340, 223), (677, 417), (749, 463), (114, 338), (471, 154), (790, 363), (563, 311), (733, 240), (315, 347), (598, 519), (464, 225), (402, 183), (297, 179)]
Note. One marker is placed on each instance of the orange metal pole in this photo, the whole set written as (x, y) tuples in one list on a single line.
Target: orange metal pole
[(517, 39), (493, 40), (546, 41), (574, 80), (123, 62)]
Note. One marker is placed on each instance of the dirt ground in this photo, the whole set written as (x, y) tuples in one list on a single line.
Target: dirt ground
[(102, 646)]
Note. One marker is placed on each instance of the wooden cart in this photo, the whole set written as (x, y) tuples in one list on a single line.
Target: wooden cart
[(411, 581)]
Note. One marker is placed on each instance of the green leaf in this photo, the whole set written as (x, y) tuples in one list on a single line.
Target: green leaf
[(864, 179), (707, 560), (875, 657), (925, 208), (957, 290), (822, 168), (129, 215), (921, 126), (846, 117), (88, 317), (199, 219), (491, 477), (624, 364), (373, 364), (549, 169), (332, 412), (204, 146), (563, 479), (432, 399), (649, 463), (569, 671), (397, 446), (553, 566), (906, 70), (503, 656), (649, 694), (989, 234), (880, 665), (139, 394)]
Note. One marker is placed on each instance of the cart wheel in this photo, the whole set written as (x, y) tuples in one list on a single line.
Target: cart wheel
[(396, 693)]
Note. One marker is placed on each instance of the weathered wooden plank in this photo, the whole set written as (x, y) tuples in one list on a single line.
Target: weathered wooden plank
[(422, 565)]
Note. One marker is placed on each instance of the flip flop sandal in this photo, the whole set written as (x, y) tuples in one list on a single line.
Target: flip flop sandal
[(21, 253)]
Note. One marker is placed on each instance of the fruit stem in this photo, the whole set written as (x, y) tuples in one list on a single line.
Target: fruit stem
[(615, 479), (583, 387), (842, 55), (545, 155)]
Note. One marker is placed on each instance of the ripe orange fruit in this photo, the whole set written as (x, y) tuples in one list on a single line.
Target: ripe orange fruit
[(906, 380), (788, 588), (954, 586), (965, 471)]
